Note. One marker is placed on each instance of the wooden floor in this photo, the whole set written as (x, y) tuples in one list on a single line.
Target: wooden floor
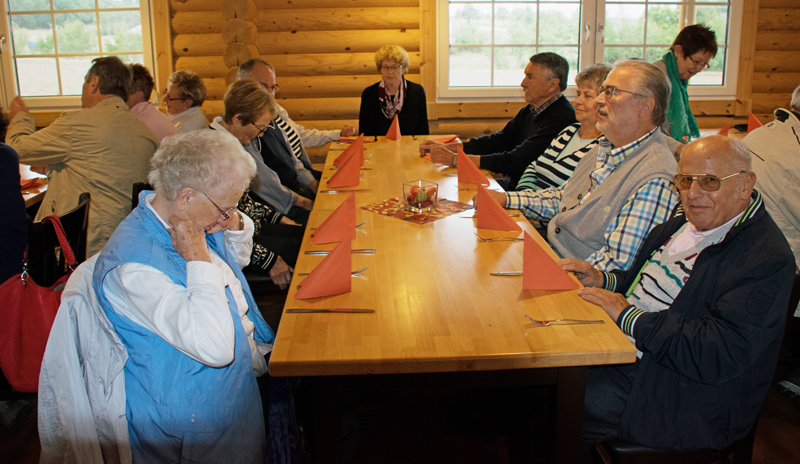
[(466, 427)]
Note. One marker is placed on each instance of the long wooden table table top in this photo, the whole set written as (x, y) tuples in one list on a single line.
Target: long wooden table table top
[(437, 307), (35, 194)]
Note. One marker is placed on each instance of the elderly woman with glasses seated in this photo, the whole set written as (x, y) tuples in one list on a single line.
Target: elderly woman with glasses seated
[(393, 95), (691, 51), (184, 94), (170, 282)]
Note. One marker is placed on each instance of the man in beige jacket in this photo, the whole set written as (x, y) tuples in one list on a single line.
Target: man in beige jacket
[(102, 149)]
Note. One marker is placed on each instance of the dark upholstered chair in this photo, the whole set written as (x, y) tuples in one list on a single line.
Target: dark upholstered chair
[(137, 189)]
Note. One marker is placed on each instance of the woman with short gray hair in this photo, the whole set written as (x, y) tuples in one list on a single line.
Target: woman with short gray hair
[(184, 94)]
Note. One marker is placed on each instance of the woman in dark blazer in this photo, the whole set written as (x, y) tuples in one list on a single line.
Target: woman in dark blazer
[(393, 95)]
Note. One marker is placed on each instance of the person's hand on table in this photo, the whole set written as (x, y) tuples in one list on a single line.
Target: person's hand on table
[(441, 155), (288, 222), (347, 131), (188, 239), (501, 198), (17, 105), (281, 273), (426, 146), (612, 303), (305, 203), (314, 186), (585, 272)]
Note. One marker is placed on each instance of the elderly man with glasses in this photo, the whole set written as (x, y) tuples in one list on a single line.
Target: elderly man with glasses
[(705, 305), (620, 189)]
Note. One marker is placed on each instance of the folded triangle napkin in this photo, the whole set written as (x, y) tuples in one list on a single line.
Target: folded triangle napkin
[(355, 149), (28, 183), (348, 175), (331, 276), (724, 130), (752, 122), (468, 173), (540, 271), (446, 139), (491, 214), (340, 225), (394, 129)]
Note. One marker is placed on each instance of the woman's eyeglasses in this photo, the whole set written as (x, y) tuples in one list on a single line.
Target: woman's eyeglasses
[(225, 213), (699, 63), (169, 99), (707, 182), (261, 129)]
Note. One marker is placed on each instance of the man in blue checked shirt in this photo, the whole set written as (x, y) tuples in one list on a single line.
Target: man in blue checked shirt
[(705, 303), (619, 190)]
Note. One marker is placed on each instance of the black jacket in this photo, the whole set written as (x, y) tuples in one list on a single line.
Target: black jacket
[(413, 118), (522, 140), (708, 360)]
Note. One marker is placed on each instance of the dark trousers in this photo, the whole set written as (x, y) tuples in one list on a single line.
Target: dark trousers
[(607, 390)]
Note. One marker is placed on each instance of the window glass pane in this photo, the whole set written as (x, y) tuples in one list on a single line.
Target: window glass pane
[(35, 76), (470, 24), (509, 65), (119, 3), (655, 53), (121, 31), (571, 55), (28, 5), (612, 54), (515, 23), (715, 17), (662, 24), (73, 71), (624, 24), (470, 67), (73, 4), (132, 58), (559, 24), (76, 33), (34, 40)]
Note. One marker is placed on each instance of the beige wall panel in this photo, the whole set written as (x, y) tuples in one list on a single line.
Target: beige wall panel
[(466, 129), (270, 43), (778, 40), (777, 61), (331, 63), (777, 3), (205, 66), (778, 18), (468, 110), (325, 108), (198, 22), (194, 5), (303, 4), (324, 124), (199, 45), (328, 86), (765, 103), (775, 82), (332, 19), (712, 107)]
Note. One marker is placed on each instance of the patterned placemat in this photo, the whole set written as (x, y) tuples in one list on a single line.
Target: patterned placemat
[(394, 207)]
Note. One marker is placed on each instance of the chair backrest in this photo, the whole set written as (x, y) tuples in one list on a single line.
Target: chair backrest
[(46, 263), (137, 189)]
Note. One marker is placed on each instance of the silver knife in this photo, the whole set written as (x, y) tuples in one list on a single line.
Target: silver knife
[(344, 191), (325, 252), (506, 273), (330, 310)]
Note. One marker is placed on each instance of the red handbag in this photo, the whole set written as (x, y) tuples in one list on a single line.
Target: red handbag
[(27, 316)]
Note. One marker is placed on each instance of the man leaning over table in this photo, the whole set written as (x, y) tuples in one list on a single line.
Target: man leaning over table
[(529, 133), (705, 305), (102, 149), (620, 189)]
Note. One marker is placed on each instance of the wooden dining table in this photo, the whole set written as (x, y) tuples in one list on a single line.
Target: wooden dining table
[(440, 319), (32, 195)]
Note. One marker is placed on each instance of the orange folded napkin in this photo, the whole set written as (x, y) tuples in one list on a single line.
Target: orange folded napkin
[(540, 271), (349, 173), (447, 139), (340, 225), (28, 183), (356, 148), (724, 130), (331, 276), (752, 122), (394, 129), (468, 173), (353, 139), (491, 214)]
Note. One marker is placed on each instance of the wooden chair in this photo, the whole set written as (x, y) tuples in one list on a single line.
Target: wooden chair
[(626, 452), (46, 263)]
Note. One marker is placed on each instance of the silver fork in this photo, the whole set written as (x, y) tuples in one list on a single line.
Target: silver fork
[(565, 321), (499, 239), (354, 273)]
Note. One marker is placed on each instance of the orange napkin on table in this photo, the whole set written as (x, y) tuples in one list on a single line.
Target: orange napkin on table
[(491, 214), (468, 173), (447, 139), (331, 276), (540, 271), (341, 225), (394, 129), (28, 183), (348, 175), (752, 122), (724, 130), (355, 149)]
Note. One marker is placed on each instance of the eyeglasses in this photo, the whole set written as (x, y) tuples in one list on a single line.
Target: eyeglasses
[(225, 213), (707, 182), (609, 91), (169, 99), (261, 129), (274, 87), (390, 68), (699, 63)]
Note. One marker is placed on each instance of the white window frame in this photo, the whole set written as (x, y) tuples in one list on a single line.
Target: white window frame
[(591, 49), (8, 87)]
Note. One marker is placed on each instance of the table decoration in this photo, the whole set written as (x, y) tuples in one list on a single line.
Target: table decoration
[(395, 207)]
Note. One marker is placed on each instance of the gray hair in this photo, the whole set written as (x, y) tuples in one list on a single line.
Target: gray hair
[(653, 83), (394, 53), (593, 76), (555, 64), (247, 67), (740, 154), (189, 85), (205, 160), (796, 99), (113, 76)]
